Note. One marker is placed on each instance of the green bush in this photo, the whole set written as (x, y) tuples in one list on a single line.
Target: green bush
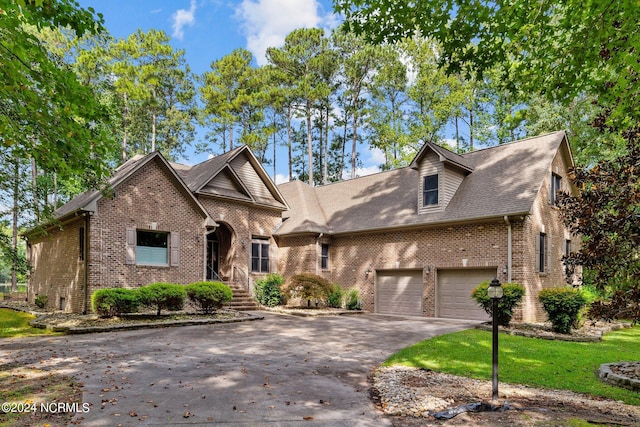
[(512, 297), (307, 287), (334, 299), (209, 296), (267, 290), (563, 306), (352, 300), (114, 301), (163, 296), (41, 301)]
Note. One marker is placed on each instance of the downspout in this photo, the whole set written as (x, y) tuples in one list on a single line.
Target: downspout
[(317, 242), (86, 263), (509, 248)]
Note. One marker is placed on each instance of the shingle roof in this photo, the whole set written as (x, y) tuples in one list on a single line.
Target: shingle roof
[(505, 180)]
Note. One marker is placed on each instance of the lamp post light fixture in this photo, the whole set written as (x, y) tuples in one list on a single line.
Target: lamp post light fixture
[(495, 292)]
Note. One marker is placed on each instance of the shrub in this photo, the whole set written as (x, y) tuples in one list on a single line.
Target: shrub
[(209, 296), (334, 299), (267, 290), (114, 301), (512, 297), (307, 287), (621, 304), (41, 301), (163, 295), (563, 307), (352, 300)]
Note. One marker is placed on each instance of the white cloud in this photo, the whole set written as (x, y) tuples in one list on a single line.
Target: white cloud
[(266, 23), (281, 179), (183, 17)]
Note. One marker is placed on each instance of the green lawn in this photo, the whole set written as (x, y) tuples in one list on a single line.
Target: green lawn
[(16, 324), (531, 361)]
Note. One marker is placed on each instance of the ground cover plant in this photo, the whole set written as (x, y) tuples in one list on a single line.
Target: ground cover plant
[(530, 361), (14, 324)]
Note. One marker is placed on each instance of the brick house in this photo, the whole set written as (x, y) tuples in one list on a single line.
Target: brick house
[(413, 241)]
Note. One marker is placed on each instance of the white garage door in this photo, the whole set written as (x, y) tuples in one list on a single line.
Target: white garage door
[(454, 293), (399, 292)]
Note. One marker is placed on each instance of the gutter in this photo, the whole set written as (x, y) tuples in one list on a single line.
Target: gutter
[(509, 248), (86, 216)]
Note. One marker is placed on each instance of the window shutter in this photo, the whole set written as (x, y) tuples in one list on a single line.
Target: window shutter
[(538, 252), (130, 246), (175, 249), (549, 253)]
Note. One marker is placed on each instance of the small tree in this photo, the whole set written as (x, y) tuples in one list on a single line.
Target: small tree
[(307, 287), (334, 299), (163, 295), (512, 297), (563, 306), (267, 291), (209, 296)]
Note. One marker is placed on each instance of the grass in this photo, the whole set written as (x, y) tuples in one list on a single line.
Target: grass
[(530, 361), (15, 324)]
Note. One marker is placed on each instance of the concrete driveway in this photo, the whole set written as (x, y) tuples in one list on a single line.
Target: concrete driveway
[(280, 371)]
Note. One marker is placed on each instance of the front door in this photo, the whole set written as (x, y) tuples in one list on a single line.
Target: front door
[(213, 250)]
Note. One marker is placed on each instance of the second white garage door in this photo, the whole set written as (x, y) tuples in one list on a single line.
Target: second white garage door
[(454, 293), (399, 292)]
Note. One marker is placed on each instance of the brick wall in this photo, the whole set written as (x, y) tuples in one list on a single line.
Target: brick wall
[(148, 196), (57, 269), (477, 245)]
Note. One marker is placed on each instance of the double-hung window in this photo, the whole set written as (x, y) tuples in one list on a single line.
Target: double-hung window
[(260, 255), (430, 190), (556, 185), (324, 257)]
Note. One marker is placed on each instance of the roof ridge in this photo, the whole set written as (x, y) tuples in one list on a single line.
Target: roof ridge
[(517, 141)]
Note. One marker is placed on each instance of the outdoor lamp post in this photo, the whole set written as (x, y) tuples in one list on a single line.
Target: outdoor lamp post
[(495, 292)]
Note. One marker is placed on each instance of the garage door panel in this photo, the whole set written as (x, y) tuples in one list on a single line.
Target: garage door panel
[(454, 293), (399, 292)]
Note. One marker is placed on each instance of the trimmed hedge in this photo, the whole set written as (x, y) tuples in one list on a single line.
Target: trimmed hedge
[(563, 307), (167, 296), (114, 301), (513, 294), (267, 290), (209, 296)]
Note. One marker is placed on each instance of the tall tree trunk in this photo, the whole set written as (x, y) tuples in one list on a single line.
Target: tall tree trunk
[(354, 139), (457, 134), (14, 225), (309, 144), (274, 147), (153, 130), (34, 185), (470, 129), (326, 150), (126, 129), (290, 154)]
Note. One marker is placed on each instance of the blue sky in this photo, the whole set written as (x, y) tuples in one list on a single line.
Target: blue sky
[(210, 29)]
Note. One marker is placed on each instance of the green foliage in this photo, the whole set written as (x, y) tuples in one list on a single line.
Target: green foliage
[(335, 297), (114, 301), (267, 290), (209, 296), (352, 300), (623, 303), (307, 287), (563, 306), (556, 364), (167, 296), (41, 301), (513, 294)]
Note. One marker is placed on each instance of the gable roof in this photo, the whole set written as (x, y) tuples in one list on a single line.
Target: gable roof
[(228, 176), (87, 201), (445, 156), (503, 180)]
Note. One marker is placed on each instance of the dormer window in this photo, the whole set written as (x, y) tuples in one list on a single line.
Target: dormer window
[(430, 190)]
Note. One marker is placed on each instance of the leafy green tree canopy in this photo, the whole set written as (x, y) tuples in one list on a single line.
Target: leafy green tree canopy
[(560, 48)]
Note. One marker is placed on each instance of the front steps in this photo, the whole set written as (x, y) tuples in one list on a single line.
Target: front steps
[(242, 300)]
